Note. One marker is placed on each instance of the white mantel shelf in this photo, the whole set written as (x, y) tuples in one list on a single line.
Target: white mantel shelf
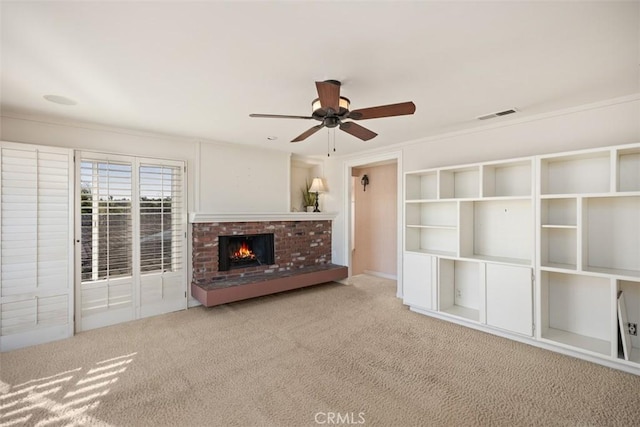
[(196, 217)]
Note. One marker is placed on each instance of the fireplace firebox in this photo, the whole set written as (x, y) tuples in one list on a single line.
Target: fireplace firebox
[(247, 250)]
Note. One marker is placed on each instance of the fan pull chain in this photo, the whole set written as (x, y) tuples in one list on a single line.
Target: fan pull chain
[(334, 140), (328, 138)]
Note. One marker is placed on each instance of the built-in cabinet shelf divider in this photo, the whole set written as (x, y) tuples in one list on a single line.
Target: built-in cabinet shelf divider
[(486, 243)]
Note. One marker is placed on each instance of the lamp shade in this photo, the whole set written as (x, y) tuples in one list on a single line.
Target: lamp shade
[(317, 186)]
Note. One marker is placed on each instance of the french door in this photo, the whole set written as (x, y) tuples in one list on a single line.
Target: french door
[(131, 239)]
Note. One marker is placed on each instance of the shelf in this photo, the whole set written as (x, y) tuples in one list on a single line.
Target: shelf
[(559, 246), (576, 173), (511, 179), (629, 170), (435, 214), (577, 310), (431, 239), (611, 234), (459, 288), (429, 201), (497, 229), (421, 185), (464, 312), (499, 198), (611, 194), (556, 266), (613, 272), (443, 227), (559, 212), (460, 183), (432, 252), (418, 201), (591, 344), (500, 260)]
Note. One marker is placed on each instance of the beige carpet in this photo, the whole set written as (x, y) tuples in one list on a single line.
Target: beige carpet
[(327, 355)]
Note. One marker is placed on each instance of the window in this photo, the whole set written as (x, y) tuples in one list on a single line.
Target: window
[(161, 234), (105, 203)]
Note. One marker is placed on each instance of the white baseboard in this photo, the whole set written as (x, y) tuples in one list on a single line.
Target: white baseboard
[(379, 274), (619, 364)]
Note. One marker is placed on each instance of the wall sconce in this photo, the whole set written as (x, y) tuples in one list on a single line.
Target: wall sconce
[(364, 181), (317, 187)]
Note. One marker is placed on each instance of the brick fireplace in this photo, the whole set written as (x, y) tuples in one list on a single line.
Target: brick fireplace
[(297, 244)]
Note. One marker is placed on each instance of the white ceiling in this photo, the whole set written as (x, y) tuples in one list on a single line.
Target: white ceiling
[(198, 69)]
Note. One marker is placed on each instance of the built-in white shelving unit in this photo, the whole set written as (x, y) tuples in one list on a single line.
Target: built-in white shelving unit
[(589, 245), (471, 221), (547, 240)]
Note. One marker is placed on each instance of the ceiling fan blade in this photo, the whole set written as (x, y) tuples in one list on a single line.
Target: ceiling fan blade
[(390, 110), (279, 116), (307, 133), (329, 94), (358, 131)]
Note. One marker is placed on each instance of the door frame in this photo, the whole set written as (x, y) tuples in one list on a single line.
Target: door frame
[(347, 191)]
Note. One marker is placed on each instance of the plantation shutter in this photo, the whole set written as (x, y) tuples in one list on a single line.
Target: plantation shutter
[(106, 252), (133, 235), (162, 237), (36, 263)]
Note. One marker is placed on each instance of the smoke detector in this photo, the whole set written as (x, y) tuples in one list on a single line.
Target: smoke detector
[(58, 99)]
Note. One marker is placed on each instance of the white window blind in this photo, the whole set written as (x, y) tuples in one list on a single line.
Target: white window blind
[(106, 294), (161, 221), (106, 194), (35, 244)]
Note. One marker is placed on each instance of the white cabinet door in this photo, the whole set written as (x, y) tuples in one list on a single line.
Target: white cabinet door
[(510, 298), (418, 279)]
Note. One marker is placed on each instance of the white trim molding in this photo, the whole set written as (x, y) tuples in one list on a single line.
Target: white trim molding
[(196, 217), (370, 159)]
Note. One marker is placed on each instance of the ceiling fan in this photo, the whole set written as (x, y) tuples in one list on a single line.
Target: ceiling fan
[(332, 109)]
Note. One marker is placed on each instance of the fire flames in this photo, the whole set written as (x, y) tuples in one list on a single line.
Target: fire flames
[(243, 253)]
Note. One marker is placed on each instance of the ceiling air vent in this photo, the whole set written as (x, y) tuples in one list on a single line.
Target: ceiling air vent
[(497, 114)]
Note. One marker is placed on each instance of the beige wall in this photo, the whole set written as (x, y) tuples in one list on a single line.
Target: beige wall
[(375, 221), (220, 177), (613, 122)]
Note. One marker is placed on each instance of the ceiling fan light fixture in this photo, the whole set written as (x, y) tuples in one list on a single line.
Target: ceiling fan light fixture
[(343, 103)]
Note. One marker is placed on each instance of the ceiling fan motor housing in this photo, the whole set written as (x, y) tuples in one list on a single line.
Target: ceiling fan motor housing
[(332, 121)]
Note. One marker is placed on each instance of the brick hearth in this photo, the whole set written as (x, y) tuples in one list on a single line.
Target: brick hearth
[(298, 244)]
